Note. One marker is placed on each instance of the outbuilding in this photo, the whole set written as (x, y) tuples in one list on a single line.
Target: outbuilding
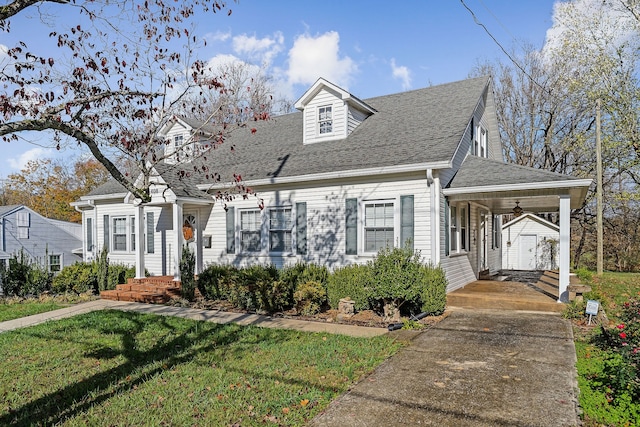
[(530, 243)]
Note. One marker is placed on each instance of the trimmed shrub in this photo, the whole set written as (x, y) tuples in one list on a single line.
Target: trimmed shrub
[(396, 274), (187, 274), (118, 273), (254, 288), (434, 289), (353, 281), (215, 281), (79, 278), (310, 297)]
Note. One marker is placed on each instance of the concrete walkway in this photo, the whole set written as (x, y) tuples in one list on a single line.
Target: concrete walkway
[(220, 317), (475, 368)]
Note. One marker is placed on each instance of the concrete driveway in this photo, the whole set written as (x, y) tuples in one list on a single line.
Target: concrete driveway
[(475, 368)]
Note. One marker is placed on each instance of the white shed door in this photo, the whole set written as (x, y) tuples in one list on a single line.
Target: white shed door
[(528, 252)]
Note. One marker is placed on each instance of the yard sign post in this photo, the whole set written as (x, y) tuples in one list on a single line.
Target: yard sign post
[(592, 308)]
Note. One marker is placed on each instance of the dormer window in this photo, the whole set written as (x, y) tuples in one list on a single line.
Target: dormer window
[(178, 140), (325, 121)]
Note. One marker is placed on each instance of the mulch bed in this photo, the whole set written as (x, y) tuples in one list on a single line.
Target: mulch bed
[(362, 318)]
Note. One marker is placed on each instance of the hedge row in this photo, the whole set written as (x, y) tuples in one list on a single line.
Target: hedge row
[(27, 277), (396, 279)]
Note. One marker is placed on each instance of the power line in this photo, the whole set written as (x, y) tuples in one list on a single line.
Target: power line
[(511, 58)]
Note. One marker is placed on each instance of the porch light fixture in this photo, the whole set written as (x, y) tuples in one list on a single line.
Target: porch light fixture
[(517, 211)]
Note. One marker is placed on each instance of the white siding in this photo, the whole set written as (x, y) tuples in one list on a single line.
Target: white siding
[(325, 221), (355, 118), (526, 226), (339, 116)]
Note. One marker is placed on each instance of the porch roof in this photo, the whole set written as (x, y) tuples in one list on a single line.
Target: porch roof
[(500, 185)]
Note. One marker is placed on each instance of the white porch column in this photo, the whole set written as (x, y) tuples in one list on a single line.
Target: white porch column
[(139, 236), (565, 241), (198, 246), (177, 239)]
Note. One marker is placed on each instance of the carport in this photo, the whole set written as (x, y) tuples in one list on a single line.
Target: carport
[(503, 188)]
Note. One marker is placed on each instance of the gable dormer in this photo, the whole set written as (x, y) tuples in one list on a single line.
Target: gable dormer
[(330, 112), (184, 138)]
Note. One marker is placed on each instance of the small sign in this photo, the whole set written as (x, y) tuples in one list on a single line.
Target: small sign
[(592, 307)]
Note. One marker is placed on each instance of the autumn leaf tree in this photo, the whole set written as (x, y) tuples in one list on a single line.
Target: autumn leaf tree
[(49, 186), (110, 80)]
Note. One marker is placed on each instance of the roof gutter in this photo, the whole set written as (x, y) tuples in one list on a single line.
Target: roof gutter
[(417, 167), (518, 187)]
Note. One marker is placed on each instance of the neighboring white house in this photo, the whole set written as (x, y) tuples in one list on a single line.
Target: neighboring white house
[(333, 183), (530, 243), (52, 243)]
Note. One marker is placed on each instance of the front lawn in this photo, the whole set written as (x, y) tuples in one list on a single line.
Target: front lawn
[(117, 368), (606, 363), (14, 309)]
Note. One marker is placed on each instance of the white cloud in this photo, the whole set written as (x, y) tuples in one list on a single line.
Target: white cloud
[(314, 57), (401, 72), (218, 36), (263, 50), (18, 163)]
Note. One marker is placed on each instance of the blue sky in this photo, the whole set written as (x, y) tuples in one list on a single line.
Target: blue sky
[(369, 47)]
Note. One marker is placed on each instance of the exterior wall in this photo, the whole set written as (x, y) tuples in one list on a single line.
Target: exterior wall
[(325, 221), (355, 117), (39, 238), (545, 238), (177, 129), (158, 262), (338, 114)]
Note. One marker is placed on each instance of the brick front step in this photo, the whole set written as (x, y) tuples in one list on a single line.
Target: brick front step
[(150, 290)]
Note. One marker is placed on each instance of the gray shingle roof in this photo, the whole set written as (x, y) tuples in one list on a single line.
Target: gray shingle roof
[(8, 208), (479, 172), (419, 126), (110, 187)]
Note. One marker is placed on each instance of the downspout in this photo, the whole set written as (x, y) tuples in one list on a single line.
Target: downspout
[(434, 216), (93, 226)]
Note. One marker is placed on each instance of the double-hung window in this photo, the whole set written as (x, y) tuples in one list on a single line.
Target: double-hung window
[(132, 226), (120, 234), (280, 227), (250, 230), (459, 228), (378, 225), (480, 142), (178, 140), (325, 120), (55, 263)]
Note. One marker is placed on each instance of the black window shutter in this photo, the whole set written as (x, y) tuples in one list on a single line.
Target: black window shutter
[(406, 220), (150, 235), (89, 234), (301, 228), (105, 219), (231, 230), (351, 226), (446, 228)]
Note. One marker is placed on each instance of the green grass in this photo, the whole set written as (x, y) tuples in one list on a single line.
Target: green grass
[(616, 288), (116, 368), (14, 309), (596, 403)]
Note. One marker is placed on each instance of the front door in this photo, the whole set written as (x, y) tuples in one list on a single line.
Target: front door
[(189, 230)]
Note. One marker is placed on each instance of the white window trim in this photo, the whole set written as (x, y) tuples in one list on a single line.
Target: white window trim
[(291, 230), (240, 230), (127, 233), (460, 220), (265, 230), (480, 143), (362, 241), (318, 121), (61, 262)]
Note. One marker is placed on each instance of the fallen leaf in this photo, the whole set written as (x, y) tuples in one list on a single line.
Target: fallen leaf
[(304, 402), (285, 410)]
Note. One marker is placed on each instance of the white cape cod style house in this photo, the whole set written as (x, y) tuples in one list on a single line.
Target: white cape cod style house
[(335, 182)]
